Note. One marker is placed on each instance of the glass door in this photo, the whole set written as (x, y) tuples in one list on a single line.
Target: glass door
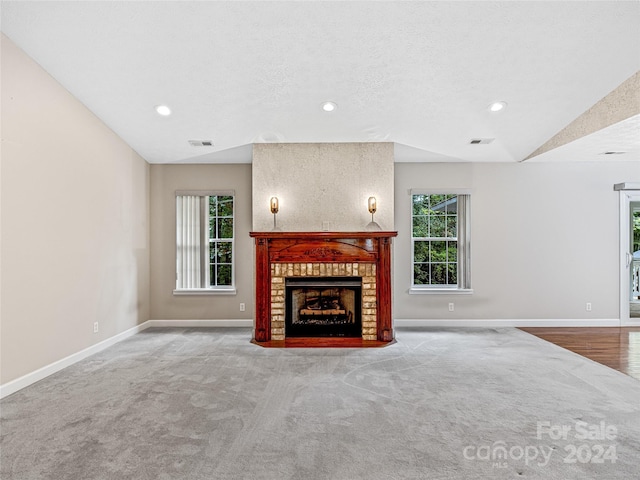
[(634, 283), (629, 253)]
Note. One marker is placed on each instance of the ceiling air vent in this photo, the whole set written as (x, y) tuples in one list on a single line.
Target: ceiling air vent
[(201, 143), (613, 153), (481, 141)]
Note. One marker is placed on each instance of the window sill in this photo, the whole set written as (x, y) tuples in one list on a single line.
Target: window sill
[(205, 291), (440, 291)]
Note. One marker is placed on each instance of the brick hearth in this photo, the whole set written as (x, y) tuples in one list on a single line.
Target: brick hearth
[(280, 271)]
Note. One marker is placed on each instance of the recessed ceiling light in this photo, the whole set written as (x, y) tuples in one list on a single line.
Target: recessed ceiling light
[(497, 106), (163, 110), (329, 106)]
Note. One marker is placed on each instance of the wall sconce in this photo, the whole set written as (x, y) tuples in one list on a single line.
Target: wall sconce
[(373, 206), (273, 203)]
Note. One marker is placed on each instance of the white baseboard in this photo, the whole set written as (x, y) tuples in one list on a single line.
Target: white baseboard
[(199, 323), (31, 378), (632, 322), (37, 375), (510, 322), (402, 322)]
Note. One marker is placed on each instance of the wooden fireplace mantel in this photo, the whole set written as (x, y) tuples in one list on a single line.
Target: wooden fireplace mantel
[(323, 247), (324, 235)]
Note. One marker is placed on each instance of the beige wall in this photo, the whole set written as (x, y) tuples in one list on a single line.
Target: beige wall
[(75, 206), (318, 182), (165, 180), (544, 239)]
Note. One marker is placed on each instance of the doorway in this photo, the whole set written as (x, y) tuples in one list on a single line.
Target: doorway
[(629, 253), (634, 303)]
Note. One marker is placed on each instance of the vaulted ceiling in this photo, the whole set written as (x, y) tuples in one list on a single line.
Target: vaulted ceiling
[(420, 74)]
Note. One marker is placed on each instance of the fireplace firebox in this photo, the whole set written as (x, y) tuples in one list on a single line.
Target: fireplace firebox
[(323, 307)]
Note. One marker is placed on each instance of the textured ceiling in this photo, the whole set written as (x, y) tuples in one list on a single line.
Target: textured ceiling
[(606, 144), (420, 74)]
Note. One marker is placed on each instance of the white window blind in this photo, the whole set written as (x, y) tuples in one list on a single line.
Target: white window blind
[(205, 241)]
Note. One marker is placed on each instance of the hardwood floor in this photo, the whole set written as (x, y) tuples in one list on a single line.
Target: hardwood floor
[(615, 347)]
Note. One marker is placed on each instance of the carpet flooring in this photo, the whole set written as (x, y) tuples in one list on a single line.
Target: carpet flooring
[(439, 404)]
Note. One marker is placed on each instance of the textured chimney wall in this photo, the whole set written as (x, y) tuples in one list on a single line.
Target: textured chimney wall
[(322, 182)]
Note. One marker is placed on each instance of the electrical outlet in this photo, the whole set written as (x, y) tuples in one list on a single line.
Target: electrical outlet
[(588, 306), (325, 226), (243, 307), (95, 327), (451, 307)]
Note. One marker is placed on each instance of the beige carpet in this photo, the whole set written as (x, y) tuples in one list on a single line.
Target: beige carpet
[(438, 404)]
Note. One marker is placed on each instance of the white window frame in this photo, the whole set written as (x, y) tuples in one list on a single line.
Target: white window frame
[(464, 246), (201, 230)]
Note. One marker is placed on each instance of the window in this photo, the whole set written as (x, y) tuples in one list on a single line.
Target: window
[(204, 242), (440, 242)]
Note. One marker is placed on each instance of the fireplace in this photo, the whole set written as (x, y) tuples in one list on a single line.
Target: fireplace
[(323, 307), (308, 261)]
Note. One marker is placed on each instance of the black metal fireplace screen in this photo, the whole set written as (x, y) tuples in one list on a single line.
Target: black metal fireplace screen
[(323, 307)]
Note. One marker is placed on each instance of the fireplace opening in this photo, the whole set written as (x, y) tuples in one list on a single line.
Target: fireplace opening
[(323, 307)]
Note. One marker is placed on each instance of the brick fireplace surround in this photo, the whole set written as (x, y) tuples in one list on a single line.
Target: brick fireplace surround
[(281, 255)]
